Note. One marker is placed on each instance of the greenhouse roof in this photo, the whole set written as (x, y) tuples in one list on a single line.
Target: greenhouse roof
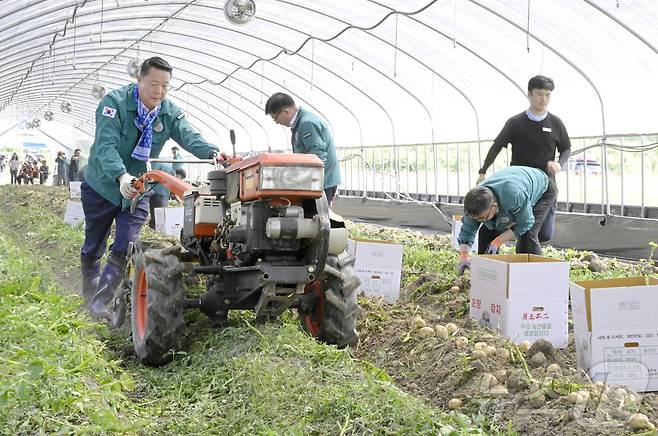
[(381, 72)]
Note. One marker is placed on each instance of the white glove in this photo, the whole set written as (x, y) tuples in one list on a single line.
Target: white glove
[(126, 187)]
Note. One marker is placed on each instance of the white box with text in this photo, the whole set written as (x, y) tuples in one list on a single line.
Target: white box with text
[(523, 296)]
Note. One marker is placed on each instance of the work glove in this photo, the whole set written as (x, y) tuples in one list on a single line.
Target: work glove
[(464, 263), (218, 157), (126, 187), (493, 247), (480, 178)]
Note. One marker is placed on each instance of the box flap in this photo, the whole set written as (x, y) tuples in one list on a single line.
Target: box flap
[(526, 274), (378, 255), (488, 274), (538, 277)]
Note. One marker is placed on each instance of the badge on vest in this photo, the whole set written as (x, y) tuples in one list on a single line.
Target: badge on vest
[(546, 129), (158, 127), (504, 220), (180, 116), (109, 112)]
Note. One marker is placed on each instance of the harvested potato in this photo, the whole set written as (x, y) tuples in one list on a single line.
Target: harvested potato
[(554, 368), (503, 353), (640, 421), (454, 403), (455, 289), (461, 341), (452, 327), (573, 397), (490, 350), (524, 346), (480, 346), (478, 355), (426, 332), (417, 322), (441, 331), (499, 391)]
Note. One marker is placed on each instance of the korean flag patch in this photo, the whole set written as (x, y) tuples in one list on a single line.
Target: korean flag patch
[(109, 112)]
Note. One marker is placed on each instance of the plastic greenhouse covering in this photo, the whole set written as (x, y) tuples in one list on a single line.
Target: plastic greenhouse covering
[(381, 72)]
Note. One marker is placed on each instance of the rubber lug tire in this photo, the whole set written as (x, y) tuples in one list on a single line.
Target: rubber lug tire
[(156, 305), (334, 317)]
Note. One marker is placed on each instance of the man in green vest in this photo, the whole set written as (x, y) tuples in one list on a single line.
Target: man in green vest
[(310, 134), (511, 204), (132, 125)]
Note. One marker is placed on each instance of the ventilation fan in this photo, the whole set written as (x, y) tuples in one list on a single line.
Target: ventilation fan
[(239, 11), (132, 67), (48, 116), (98, 91), (36, 122), (66, 107)]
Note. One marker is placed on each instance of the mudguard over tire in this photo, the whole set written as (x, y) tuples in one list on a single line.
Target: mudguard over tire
[(333, 317), (156, 305)]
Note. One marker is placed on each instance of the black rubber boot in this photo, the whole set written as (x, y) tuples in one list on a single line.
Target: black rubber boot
[(90, 270), (110, 278)]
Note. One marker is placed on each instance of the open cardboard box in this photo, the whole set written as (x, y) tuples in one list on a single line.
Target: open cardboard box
[(616, 330), (379, 267), (523, 296)]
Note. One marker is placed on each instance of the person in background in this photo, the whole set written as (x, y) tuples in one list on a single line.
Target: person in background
[(180, 173), (310, 134), (27, 173), (44, 171), (175, 155), (511, 204), (61, 179), (3, 162), (132, 125), (535, 135), (14, 165), (74, 166)]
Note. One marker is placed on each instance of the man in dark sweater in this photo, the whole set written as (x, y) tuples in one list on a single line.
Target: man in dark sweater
[(535, 134)]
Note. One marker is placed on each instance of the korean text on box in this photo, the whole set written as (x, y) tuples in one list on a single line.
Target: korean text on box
[(522, 296), (617, 330)]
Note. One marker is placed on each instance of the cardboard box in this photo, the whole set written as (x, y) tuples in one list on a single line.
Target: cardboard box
[(456, 228), (617, 330), (74, 189), (379, 266), (74, 215), (522, 296), (169, 220)]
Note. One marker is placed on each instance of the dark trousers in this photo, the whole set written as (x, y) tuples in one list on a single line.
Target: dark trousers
[(99, 216), (14, 178), (330, 193), (546, 232), (528, 242), (156, 200)]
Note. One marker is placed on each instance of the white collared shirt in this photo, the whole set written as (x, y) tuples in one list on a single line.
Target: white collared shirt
[(535, 117), (294, 117)]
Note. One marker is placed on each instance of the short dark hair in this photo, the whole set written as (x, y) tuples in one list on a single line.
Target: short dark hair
[(540, 82), (181, 172), (278, 101), (154, 62), (478, 200)]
